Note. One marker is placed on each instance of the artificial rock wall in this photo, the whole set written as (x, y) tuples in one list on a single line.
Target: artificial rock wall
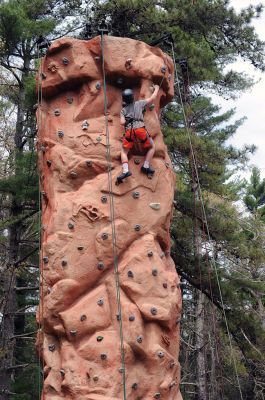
[(79, 327)]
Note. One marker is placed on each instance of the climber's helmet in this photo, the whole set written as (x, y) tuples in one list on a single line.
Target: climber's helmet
[(127, 96)]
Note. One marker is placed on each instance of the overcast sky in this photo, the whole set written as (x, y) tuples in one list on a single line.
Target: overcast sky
[(252, 103)]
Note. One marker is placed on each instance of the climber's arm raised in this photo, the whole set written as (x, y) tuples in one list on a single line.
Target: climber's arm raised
[(153, 96)]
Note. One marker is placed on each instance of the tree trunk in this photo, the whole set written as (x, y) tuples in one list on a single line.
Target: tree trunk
[(200, 342)]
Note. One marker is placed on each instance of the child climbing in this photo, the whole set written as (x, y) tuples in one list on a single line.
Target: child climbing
[(133, 120)]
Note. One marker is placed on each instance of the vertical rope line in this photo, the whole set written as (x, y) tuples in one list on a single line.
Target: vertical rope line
[(206, 224), (112, 215)]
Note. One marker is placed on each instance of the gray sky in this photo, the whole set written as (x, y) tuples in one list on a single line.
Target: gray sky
[(252, 103)]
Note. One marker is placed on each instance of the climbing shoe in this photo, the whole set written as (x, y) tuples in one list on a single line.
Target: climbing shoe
[(147, 171), (122, 176)]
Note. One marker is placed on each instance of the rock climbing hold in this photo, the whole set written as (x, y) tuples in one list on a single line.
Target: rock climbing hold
[(69, 100), (73, 174), (163, 69), (162, 254), (98, 85), (131, 317), (118, 317), (43, 193), (137, 228), (45, 260), (121, 370), (134, 386), (73, 332), (136, 195), (150, 253), (139, 339), (49, 290), (165, 285), (51, 347), (62, 372), (60, 134), (95, 378), (80, 247), (155, 206), (100, 302), (157, 395), (49, 163), (104, 236), (130, 274), (43, 148), (100, 338), (153, 311), (57, 112), (137, 161), (71, 225), (120, 81), (97, 58), (98, 138), (104, 199), (64, 263), (167, 164), (101, 266), (169, 77), (172, 364), (83, 317), (151, 107), (128, 63), (85, 125), (43, 76), (154, 272), (172, 384), (103, 356), (89, 163), (160, 354), (65, 61)]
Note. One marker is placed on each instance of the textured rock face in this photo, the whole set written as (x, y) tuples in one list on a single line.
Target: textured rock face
[(78, 320)]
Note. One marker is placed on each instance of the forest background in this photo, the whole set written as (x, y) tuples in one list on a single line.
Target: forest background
[(218, 226)]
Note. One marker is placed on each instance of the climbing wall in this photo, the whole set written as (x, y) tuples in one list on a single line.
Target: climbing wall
[(79, 327)]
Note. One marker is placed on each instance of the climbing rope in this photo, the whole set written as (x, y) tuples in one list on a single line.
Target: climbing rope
[(212, 262), (112, 217)]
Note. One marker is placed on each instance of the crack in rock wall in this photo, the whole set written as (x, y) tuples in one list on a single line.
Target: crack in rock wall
[(78, 324)]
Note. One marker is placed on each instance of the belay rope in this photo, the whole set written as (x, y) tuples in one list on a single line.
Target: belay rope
[(112, 217)]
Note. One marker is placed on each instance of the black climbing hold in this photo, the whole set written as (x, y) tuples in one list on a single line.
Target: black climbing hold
[(44, 76), (103, 356), (73, 174), (150, 254), (57, 112), (64, 263), (98, 85), (167, 164), (69, 100), (71, 225), (154, 272), (157, 395), (45, 260), (51, 347), (104, 236), (97, 58), (89, 163), (137, 161), (104, 199), (95, 378), (130, 274), (118, 317), (153, 311), (73, 332), (65, 61), (49, 163), (131, 318), (160, 354), (100, 338), (60, 134), (121, 370), (137, 228), (140, 339), (136, 195), (85, 125), (120, 81), (101, 266), (163, 69), (62, 372), (100, 302), (83, 317), (80, 247), (165, 285), (134, 386)]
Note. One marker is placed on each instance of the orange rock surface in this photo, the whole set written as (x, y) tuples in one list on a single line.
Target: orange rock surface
[(79, 327)]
